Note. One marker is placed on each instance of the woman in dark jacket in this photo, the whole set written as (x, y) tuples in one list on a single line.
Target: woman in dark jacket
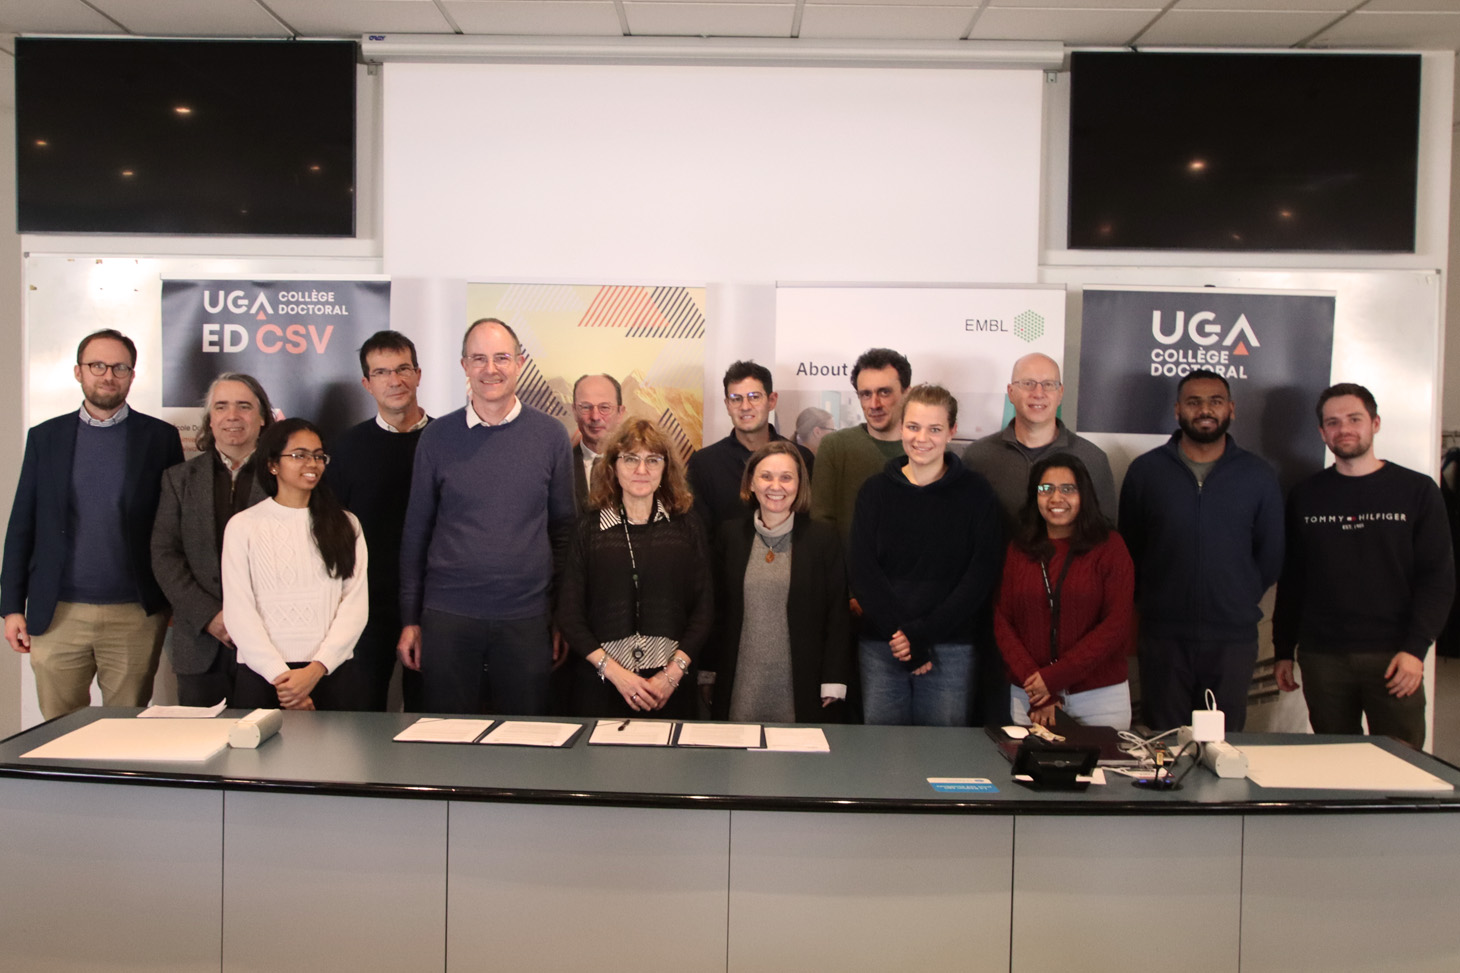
[(783, 653), (635, 603)]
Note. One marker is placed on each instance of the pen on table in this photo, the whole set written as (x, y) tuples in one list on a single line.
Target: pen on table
[(622, 725)]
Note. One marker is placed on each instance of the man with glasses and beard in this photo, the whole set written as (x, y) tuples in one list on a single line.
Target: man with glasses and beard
[(1203, 519)]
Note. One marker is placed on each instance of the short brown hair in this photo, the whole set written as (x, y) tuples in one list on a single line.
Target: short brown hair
[(641, 434), (777, 447), (936, 395)]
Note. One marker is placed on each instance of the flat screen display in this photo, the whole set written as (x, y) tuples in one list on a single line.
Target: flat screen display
[(186, 137), (1265, 152)]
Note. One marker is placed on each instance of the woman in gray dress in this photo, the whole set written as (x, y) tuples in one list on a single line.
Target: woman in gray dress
[(783, 654)]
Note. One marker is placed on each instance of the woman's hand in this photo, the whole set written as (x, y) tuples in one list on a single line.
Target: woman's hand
[(1038, 693), (641, 694), (1043, 715), (295, 685), (664, 684), (923, 669), (901, 647)]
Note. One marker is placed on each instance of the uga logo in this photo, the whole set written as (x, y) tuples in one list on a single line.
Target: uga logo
[(1203, 329)]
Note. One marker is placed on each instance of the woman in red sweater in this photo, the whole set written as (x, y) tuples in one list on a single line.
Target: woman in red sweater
[(1064, 611)]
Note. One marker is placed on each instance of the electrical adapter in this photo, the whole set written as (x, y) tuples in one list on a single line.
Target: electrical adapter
[(1208, 725)]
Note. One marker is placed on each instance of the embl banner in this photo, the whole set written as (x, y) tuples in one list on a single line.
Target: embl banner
[(299, 338), (1274, 349)]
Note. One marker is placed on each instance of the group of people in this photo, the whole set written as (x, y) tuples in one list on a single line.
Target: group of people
[(868, 573)]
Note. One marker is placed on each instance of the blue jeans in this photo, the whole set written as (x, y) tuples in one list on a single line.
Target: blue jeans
[(1106, 706), (893, 696)]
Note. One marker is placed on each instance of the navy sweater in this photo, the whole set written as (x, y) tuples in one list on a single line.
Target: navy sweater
[(925, 558), (489, 516), (1204, 555)]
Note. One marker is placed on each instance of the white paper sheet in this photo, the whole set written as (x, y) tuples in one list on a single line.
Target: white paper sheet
[(740, 736), (632, 733), (526, 733), (434, 729), (138, 740), (1338, 766), (800, 739), (183, 712)]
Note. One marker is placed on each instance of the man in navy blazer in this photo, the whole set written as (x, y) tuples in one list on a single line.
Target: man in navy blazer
[(76, 585)]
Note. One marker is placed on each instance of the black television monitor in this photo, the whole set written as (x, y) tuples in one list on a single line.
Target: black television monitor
[(185, 137), (1233, 151)]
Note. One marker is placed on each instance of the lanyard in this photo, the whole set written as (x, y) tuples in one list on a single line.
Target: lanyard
[(1053, 594), (634, 573)]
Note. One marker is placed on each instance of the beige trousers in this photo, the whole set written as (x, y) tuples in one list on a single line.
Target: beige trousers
[(118, 644)]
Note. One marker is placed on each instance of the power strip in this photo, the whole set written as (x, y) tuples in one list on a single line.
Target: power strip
[(1223, 759)]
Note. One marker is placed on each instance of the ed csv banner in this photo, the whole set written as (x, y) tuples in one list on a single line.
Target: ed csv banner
[(299, 338), (1275, 349)]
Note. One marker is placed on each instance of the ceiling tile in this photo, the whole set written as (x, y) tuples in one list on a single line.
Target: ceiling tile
[(586, 18), (710, 19), (1235, 27), (187, 18), (1064, 5), (1334, 7), (884, 21), (1074, 27), (1421, 31), (52, 17), (1411, 6), (351, 18)]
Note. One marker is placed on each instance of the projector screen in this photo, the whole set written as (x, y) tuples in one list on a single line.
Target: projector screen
[(711, 174)]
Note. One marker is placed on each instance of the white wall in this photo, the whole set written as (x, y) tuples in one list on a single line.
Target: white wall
[(12, 364)]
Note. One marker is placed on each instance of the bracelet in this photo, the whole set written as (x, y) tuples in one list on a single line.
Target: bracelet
[(601, 663), (681, 662)]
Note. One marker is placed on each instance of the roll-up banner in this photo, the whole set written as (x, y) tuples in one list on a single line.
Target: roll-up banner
[(299, 338), (1275, 349), (964, 338)]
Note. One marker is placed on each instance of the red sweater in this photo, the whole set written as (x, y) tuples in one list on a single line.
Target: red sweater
[(1097, 603)]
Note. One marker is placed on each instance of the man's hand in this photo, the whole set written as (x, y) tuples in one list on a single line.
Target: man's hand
[(215, 628), (15, 632), (408, 647), (1282, 671), (1405, 674), (901, 646)]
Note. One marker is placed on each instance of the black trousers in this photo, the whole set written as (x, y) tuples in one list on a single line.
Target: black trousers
[(475, 665), (207, 688), (342, 689), (1176, 673)]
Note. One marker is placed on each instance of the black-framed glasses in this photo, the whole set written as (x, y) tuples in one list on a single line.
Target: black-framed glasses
[(754, 398), (119, 369), (1045, 489)]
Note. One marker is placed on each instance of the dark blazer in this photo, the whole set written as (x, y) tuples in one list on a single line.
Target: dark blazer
[(186, 559), (36, 544), (580, 480), (817, 613)]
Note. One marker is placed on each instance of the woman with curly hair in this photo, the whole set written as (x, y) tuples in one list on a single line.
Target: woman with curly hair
[(635, 604)]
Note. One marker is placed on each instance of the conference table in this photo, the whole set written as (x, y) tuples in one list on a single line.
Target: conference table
[(332, 847)]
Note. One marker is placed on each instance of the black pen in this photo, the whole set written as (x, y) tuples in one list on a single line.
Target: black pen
[(622, 725)]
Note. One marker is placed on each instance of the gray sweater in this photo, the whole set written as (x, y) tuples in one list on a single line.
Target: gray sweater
[(1004, 463)]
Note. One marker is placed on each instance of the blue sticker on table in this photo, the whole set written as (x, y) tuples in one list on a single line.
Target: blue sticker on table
[(963, 785)]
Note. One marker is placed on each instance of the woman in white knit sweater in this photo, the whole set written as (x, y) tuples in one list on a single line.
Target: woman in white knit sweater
[(294, 592)]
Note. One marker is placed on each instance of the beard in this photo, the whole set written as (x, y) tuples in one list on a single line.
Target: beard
[(106, 401), (1196, 435), (1351, 450)]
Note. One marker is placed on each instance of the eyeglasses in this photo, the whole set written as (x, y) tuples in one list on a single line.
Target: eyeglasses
[(502, 359), (300, 456), (100, 368), (1068, 489), (651, 462), (404, 371), (602, 409), (1029, 385), (754, 398)]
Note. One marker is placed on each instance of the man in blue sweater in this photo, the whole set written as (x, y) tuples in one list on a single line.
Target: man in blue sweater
[(77, 588), (491, 505), (1203, 519)]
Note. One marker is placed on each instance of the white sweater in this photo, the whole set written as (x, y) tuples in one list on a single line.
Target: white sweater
[(279, 603)]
